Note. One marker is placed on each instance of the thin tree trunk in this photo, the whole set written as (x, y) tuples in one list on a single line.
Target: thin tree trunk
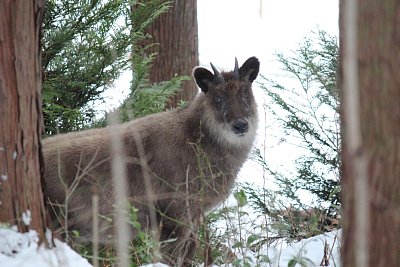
[(21, 195), (176, 32), (378, 64)]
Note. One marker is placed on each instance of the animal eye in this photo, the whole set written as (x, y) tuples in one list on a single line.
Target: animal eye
[(218, 99), (246, 93)]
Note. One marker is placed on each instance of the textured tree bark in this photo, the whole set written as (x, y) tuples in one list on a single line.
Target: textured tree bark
[(21, 197), (378, 53), (176, 32)]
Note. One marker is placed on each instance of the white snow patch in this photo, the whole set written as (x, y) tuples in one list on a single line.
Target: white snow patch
[(307, 252), (12, 242), (15, 154), (4, 177), (311, 251), (27, 217), (49, 237), (2, 149), (22, 250)]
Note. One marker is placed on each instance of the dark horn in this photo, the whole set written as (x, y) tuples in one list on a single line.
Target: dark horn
[(217, 74), (236, 70)]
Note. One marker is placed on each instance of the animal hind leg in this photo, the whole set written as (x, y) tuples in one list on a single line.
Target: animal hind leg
[(179, 243)]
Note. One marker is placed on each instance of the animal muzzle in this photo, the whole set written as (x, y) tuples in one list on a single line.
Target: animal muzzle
[(240, 127)]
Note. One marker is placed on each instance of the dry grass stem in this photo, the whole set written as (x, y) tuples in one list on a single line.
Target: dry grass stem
[(150, 195), (95, 226), (120, 192)]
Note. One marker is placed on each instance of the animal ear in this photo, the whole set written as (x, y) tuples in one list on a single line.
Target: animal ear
[(249, 70), (203, 78)]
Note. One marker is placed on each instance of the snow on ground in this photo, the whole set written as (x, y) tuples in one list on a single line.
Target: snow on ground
[(321, 250), (311, 251), (22, 250)]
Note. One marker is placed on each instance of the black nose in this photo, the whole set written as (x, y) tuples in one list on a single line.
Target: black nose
[(240, 127)]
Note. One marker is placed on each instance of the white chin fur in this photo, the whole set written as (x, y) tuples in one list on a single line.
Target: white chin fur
[(224, 134)]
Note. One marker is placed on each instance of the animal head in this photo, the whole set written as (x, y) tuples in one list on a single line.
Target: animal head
[(231, 109)]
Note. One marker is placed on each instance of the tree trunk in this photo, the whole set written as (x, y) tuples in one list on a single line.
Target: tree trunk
[(177, 53), (21, 195), (378, 61)]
